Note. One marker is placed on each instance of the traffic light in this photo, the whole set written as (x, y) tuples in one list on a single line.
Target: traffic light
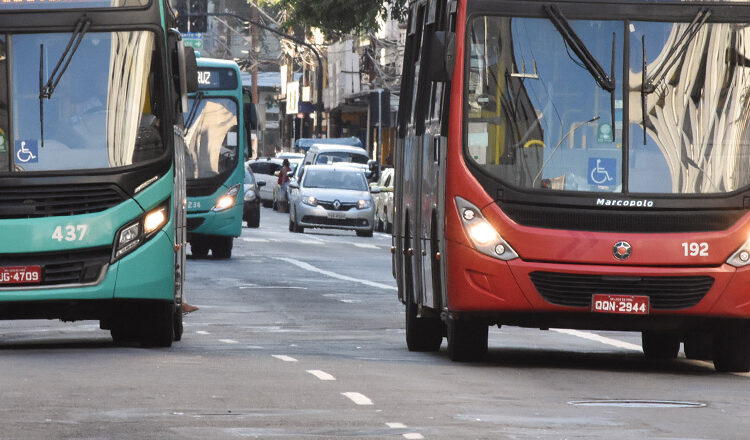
[(198, 24)]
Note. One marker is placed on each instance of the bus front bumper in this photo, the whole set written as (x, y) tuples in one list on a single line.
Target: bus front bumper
[(226, 223)]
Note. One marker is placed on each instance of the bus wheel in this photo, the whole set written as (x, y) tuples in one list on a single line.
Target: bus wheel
[(157, 324), (731, 349), (698, 346), (122, 333), (222, 247), (177, 322), (467, 340), (198, 247), (422, 334), (660, 345)]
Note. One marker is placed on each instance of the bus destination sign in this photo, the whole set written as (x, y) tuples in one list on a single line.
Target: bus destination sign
[(217, 79)]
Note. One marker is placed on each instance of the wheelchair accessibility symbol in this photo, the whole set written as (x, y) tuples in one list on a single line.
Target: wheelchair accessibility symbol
[(602, 171), (27, 151)]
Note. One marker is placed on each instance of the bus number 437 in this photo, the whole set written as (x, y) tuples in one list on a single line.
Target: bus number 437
[(69, 232)]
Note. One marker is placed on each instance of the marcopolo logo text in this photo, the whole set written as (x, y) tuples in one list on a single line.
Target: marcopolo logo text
[(625, 203)]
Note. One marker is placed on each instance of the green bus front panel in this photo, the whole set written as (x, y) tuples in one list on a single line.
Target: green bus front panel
[(147, 272), (225, 223)]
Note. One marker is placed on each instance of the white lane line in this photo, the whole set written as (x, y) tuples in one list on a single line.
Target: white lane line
[(359, 399), (365, 246), (597, 338), (312, 237), (228, 341), (254, 240), (413, 436), (203, 332), (283, 357), (311, 268), (310, 242), (322, 375), (395, 425)]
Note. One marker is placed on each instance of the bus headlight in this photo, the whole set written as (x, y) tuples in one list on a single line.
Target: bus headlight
[(227, 200), (130, 236), (481, 233), (741, 257)]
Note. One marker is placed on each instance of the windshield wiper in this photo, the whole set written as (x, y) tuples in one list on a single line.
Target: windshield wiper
[(678, 48), (606, 82), (570, 132), (193, 113), (47, 89)]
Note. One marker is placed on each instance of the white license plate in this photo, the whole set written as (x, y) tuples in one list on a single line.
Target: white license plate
[(622, 304), (336, 215)]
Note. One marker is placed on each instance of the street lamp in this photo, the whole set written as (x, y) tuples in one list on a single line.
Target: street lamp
[(319, 76)]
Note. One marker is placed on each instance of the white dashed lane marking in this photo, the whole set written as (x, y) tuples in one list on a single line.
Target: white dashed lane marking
[(283, 357), (228, 341), (322, 375), (413, 436), (395, 425), (359, 399), (203, 332), (311, 268), (597, 338)]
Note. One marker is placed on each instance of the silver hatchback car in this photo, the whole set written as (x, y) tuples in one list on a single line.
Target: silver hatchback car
[(334, 197)]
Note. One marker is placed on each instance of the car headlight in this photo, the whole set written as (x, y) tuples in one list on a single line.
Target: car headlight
[(741, 257), (249, 192), (227, 200), (310, 200), (481, 233), (362, 204), (130, 236)]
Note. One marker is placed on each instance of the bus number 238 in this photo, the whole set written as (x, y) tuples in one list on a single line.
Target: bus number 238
[(694, 249), (69, 232)]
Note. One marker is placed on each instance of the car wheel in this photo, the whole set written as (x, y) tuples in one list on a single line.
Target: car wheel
[(291, 224), (267, 203), (364, 233), (254, 219), (660, 345)]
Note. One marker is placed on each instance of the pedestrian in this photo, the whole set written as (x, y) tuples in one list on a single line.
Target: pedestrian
[(284, 176)]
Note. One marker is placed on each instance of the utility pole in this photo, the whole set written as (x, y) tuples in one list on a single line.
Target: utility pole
[(256, 51)]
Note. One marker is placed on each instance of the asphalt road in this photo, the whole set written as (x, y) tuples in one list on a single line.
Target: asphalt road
[(300, 336)]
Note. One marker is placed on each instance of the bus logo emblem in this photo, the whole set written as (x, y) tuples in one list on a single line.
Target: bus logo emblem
[(622, 250)]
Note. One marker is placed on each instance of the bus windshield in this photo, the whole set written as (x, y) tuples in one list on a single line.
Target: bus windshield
[(537, 119), (213, 138), (101, 114)]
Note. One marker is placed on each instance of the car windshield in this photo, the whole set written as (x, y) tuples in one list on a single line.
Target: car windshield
[(212, 140), (100, 113), (537, 119), (340, 156), (335, 179)]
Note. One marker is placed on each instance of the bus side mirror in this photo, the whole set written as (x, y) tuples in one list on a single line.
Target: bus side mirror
[(191, 70), (442, 56)]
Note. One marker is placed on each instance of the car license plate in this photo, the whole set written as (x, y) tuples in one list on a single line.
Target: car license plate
[(336, 215), (20, 275), (624, 304)]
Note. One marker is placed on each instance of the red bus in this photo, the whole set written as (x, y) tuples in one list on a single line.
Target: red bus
[(576, 164)]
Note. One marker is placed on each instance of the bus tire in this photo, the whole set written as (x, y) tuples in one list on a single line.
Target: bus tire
[(467, 340), (422, 334), (660, 345), (698, 346), (198, 247), (222, 247), (177, 321), (731, 349), (122, 333), (157, 324)]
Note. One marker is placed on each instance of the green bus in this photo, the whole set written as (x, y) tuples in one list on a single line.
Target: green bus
[(92, 216), (217, 138)]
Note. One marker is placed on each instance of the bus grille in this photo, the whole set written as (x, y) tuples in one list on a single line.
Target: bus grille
[(62, 200), (194, 222), (62, 268), (665, 293)]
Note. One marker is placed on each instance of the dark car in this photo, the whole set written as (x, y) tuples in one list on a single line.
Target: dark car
[(251, 210)]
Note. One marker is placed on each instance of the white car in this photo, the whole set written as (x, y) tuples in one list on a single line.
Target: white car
[(384, 201), (334, 197), (266, 170)]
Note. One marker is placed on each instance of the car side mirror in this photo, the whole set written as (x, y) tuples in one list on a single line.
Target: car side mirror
[(374, 190), (261, 183), (294, 185)]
